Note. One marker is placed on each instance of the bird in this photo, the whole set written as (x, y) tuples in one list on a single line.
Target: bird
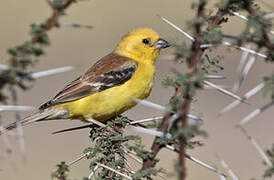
[(110, 86)]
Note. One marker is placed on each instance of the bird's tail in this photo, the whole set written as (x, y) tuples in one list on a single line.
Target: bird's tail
[(46, 114)]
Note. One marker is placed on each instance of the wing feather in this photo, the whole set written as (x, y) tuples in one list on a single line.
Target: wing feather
[(112, 70)]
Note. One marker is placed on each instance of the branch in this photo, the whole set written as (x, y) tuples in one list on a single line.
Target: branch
[(197, 52), (266, 42)]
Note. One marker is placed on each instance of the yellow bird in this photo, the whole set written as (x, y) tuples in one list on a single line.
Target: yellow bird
[(110, 86)]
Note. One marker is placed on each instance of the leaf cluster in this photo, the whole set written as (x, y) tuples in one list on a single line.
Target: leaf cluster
[(188, 83), (22, 57), (234, 5), (110, 147), (270, 171), (255, 29), (269, 86), (62, 171), (211, 64)]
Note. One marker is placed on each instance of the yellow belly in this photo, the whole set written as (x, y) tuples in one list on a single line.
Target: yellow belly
[(113, 101)]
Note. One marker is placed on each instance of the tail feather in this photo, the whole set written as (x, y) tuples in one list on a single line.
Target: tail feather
[(74, 128), (47, 114)]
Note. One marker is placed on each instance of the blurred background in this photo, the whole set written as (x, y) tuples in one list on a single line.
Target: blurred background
[(83, 47)]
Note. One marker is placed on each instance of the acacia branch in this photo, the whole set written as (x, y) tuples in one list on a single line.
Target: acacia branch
[(194, 60), (197, 52), (53, 19), (192, 64), (266, 40)]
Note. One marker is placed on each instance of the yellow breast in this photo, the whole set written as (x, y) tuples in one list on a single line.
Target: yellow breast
[(114, 101)]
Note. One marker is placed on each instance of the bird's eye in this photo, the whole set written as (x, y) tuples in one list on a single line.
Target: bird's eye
[(146, 41)]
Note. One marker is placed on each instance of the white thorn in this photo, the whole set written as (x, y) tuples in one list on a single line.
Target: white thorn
[(256, 113), (214, 77), (224, 43), (50, 72), (151, 132), (16, 108), (93, 172), (160, 107), (243, 75), (257, 147), (243, 59), (229, 171), (269, 16), (239, 15), (250, 116), (78, 159), (261, 152), (254, 91), (222, 90), (201, 163), (96, 122), (2, 66), (115, 171), (150, 104), (146, 120), (246, 96), (177, 28)]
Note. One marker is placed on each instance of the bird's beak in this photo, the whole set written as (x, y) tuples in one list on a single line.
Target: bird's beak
[(161, 43)]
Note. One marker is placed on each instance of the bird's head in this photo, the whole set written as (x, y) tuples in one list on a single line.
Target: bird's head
[(142, 45)]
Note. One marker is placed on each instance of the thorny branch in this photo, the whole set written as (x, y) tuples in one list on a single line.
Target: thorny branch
[(266, 42), (18, 65), (197, 52), (53, 19)]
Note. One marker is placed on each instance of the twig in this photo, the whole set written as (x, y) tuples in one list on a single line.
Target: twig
[(75, 25)]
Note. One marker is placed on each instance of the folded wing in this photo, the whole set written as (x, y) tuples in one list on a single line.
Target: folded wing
[(112, 70)]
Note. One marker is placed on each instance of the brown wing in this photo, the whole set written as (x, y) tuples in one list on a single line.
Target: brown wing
[(112, 70)]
